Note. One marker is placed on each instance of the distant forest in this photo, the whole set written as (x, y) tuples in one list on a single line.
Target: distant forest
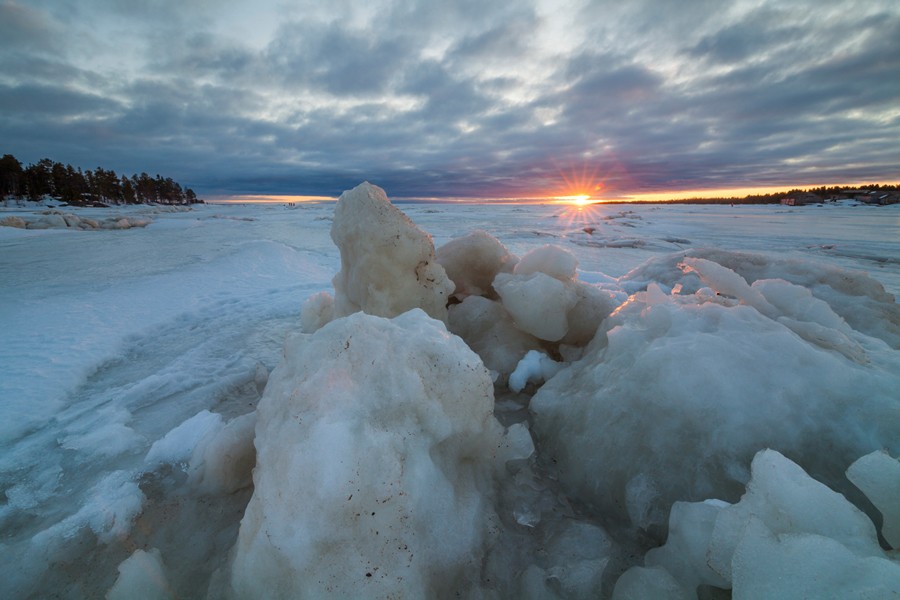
[(823, 192), (87, 188)]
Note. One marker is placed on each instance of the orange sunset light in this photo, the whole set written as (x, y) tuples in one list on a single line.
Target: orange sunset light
[(580, 187), (577, 200)]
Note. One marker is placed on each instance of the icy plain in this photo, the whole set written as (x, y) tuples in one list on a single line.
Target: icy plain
[(133, 362)]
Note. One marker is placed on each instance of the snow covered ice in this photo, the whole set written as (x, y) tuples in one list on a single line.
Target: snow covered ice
[(489, 401)]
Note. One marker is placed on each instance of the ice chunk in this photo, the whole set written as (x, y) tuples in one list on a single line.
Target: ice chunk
[(317, 310), (784, 499), (223, 461), (217, 457), (105, 435), (488, 329), (878, 476), (178, 445), (535, 367), (538, 303), (375, 443), (642, 501), (472, 262), (643, 583), (685, 553), (141, 575), (13, 221), (549, 259), (727, 282), (517, 443), (578, 554), (829, 339), (854, 296), (54, 219), (798, 303), (388, 265), (780, 494), (260, 378), (108, 510), (789, 536), (807, 566), (571, 562), (592, 305)]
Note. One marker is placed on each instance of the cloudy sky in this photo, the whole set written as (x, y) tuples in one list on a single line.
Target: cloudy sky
[(457, 98)]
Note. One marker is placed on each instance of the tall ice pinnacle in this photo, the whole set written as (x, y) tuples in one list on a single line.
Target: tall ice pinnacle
[(388, 264)]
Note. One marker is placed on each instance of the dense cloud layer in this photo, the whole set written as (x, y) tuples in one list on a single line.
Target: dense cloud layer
[(498, 100)]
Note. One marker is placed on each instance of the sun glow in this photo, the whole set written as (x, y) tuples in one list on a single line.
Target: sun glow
[(577, 199), (579, 186)]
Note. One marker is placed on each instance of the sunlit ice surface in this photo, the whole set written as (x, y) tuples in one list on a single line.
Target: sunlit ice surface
[(106, 358)]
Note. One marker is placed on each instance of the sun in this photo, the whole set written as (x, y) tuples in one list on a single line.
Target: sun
[(579, 187), (581, 200), (575, 199)]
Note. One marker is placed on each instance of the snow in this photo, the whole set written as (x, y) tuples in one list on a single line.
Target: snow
[(136, 398)]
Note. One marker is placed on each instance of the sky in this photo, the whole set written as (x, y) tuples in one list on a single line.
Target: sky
[(458, 98)]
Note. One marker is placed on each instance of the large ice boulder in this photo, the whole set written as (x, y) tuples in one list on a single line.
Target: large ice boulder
[(388, 265), (679, 390), (376, 445)]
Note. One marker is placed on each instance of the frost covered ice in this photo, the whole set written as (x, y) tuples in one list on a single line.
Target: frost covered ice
[(608, 415)]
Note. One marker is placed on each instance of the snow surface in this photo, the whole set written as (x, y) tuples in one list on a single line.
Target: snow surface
[(134, 359)]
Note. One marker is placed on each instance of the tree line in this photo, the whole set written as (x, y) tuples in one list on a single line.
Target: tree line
[(823, 192), (74, 186)]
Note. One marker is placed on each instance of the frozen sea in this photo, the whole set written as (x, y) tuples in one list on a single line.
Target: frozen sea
[(112, 339)]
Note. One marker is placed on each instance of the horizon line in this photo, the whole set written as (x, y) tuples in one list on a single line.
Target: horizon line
[(698, 194)]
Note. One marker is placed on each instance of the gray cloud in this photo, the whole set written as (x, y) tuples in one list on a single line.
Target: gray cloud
[(457, 99)]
